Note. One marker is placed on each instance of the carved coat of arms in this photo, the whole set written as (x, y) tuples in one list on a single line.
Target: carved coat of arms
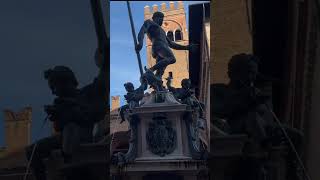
[(161, 137)]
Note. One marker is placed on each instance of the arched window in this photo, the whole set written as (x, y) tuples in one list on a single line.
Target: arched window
[(170, 35), (178, 35)]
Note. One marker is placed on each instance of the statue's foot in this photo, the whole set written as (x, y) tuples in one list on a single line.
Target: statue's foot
[(158, 78), (146, 69)]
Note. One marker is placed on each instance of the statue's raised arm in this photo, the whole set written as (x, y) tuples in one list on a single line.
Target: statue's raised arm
[(142, 32), (176, 46)]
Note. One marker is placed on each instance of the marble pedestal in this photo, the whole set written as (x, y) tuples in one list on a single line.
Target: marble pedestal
[(90, 159), (161, 169), (174, 112), (178, 164)]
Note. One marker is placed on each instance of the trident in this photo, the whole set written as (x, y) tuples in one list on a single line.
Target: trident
[(134, 38)]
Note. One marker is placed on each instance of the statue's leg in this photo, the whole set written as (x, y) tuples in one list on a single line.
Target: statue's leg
[(70, 140), (159, 73), (41, 151), (122, 112), (165, 56), (72, 136)]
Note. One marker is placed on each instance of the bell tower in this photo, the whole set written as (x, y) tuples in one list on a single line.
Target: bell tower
[(17, 128), (174, 24)]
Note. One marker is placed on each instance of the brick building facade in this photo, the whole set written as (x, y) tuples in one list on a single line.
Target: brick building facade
[(17, 128), (115, 118), (17, 136)]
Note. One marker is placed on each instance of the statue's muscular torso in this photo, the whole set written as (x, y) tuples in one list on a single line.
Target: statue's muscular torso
[(158, 38), (155, 33)]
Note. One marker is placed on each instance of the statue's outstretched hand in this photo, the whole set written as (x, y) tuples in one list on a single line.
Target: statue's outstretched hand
[(169, 81), (169, 78)]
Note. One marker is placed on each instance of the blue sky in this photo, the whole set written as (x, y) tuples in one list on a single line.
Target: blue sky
[(123, 61), (35, 36)]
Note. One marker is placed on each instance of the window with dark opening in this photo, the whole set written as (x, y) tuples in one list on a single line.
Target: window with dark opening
[(178, 35), (170, 35)]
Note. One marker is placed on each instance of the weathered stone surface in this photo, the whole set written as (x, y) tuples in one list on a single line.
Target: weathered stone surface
[(188, 169), (87, 159), (174, 111)]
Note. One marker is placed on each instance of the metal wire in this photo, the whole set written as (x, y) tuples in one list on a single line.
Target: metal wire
[(258, 91), (290, 142), (33, 150)]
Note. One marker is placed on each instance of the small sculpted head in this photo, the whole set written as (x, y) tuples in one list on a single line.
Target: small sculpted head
[(129, 87), (243, 69), (186, 83), (157, 17), (61, 80)]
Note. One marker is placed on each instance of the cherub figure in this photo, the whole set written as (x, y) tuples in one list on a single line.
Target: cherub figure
[(246, 111), (185, 94), (132, 97), (195, 120), (73, 112)]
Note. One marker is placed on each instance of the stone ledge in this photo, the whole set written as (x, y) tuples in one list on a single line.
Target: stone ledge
[(227, 146), (175, 158), (160, 108), (161, 166)]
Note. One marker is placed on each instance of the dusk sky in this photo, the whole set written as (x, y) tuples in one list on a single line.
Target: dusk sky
[(124, 64), (37, 35)]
